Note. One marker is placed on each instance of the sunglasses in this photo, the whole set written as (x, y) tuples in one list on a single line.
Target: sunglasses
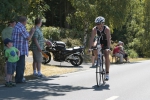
[(99, 23)]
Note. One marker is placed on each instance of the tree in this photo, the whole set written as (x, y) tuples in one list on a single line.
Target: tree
[(10, 9), (59, 9), (87, 10), (144, 38)]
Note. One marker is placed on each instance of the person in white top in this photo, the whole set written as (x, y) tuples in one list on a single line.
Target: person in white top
[(125, 55)]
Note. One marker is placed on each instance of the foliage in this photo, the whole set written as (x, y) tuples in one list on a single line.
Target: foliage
[(135, 32), (70, 37), (51, 33), (72, 42), (56, 16), (87, 10), (132, 53), (127, 19), (11, 9), (145, 38)]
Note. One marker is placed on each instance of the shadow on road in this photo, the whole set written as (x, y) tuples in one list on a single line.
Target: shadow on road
[(93, 67), (125, 63), (101, 88), (37, 89)]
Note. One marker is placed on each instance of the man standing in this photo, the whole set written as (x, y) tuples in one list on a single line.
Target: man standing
[(102, 31), (6, 33), (20, 36), (37, 45)]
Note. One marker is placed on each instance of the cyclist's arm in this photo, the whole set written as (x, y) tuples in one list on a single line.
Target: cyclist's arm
[(108, 36), (92, 37)]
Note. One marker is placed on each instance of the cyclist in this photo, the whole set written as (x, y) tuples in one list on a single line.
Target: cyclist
[(102, 31)]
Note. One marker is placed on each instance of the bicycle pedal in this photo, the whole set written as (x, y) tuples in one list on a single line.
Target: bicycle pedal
[(103, 72)]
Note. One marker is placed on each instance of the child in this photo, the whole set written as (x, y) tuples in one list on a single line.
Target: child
[(12, 54)]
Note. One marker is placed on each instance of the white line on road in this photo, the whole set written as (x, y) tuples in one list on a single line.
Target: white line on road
[(112, 98)]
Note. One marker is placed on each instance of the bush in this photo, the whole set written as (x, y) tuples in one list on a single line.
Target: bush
[(57, 33), (51, 33), (72, 42), (132, 53)]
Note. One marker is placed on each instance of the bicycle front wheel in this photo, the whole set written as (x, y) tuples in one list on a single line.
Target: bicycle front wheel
[(98, 76)]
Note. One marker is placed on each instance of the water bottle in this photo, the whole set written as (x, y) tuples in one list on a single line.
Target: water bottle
[(99, 56)]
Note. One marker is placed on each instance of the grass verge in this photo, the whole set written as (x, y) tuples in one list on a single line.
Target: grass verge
[(138, 59)]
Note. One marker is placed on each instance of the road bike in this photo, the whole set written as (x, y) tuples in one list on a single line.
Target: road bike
[(100, 70)]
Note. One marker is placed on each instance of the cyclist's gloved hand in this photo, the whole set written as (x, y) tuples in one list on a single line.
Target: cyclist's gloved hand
[(108, 49), (90, 49)]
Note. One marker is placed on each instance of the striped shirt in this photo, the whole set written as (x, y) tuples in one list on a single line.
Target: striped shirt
[(19, 36)]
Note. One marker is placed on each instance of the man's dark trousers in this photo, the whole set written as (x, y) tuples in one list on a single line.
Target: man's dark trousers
[(20, 69)]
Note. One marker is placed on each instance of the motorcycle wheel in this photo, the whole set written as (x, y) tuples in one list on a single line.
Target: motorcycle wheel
[(78, 61), (45, 61)]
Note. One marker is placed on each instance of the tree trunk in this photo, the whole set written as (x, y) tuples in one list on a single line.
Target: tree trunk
[(2, 58), (85, 35)]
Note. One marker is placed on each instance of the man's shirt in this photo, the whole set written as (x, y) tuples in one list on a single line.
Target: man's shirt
[(19, 36)]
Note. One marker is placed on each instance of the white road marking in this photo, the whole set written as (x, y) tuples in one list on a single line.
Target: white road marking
[(112, 98)]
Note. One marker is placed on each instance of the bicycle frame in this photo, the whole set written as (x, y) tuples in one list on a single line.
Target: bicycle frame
[(100, 55), (100, 71)]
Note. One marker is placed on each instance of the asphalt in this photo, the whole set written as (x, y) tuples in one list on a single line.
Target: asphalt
[(84, 65), (127, 82)]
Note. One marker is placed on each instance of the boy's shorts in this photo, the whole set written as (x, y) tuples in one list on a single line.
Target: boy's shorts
[(11, 67), (37, 56)]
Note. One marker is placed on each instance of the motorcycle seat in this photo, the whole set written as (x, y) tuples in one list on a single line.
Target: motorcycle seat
[(69, 49), (76, 47)]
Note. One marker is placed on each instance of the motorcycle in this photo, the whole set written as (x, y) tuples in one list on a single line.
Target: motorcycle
[(61, 53)]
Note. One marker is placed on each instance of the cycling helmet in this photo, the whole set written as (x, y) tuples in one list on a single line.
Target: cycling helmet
[(99, 19)]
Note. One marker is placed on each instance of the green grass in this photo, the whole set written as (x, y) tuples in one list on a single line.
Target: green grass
[(138, 59)]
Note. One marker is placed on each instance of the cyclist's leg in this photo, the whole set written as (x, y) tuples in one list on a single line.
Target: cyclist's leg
[(93, 58), (95, 53), (107, 61)]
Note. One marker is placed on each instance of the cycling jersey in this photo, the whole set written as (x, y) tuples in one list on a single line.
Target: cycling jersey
[(102, 35)]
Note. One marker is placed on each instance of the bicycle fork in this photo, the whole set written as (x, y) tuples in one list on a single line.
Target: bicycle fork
[(99, 62)]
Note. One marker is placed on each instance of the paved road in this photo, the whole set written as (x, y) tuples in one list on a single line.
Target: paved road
[(127, 82), (84, 66)]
